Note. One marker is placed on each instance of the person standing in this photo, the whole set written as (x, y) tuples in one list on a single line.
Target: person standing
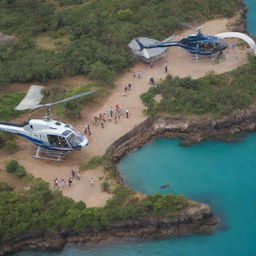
[(111, 111), (127, 113), (91, 180), (151, 81), (166, 69), (139, 74), (88, 128), (129, 86), (73, 173), (62, 183), (69, 182), (56, 183), (78, 175)]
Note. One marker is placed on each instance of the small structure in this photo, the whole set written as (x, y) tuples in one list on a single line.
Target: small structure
[(153, 54)]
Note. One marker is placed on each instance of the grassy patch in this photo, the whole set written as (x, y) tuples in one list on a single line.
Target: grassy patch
[(8, 101), (46, 42), (93, 163)]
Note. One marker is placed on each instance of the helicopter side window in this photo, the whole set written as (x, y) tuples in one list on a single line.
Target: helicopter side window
[(203, 47), (57, 141)]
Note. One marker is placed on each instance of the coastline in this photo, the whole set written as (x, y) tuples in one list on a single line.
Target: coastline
[(190, 129), (196, 218)]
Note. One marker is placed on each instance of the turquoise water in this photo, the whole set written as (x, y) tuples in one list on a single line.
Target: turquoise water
[(251, 16), (218, 173), (221, 174)]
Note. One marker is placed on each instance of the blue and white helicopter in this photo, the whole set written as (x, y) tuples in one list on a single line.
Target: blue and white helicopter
[(198, 44), (53, 138)]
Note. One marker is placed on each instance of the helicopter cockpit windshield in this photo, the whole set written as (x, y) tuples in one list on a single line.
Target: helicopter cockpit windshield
[(75, 140)]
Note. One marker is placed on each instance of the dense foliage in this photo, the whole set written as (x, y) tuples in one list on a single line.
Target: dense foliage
[(40, 209), (96, 33), (213, 94)]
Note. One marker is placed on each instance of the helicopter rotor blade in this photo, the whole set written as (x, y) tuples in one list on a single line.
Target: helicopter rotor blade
[(64, 100)]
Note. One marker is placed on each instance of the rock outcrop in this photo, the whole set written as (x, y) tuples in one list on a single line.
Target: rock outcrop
[(197, 218), (191, 130)]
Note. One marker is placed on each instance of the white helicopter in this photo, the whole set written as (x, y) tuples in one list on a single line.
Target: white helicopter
[(53, 138)]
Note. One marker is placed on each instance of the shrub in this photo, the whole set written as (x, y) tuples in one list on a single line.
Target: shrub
[(20, 172), (105, 186), (14, 167)]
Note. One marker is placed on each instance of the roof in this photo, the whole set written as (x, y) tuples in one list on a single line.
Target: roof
[(153, 52)]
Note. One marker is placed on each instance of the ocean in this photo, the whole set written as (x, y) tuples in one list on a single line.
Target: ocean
[(220, 174), (251, 16)]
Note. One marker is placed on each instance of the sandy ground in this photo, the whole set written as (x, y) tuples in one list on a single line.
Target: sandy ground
[(179, 64)]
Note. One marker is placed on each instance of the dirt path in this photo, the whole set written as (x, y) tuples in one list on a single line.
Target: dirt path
[(179, 64)]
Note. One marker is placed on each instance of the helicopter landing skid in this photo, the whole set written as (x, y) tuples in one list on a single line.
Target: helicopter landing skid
[(204, 58), (49, 154)]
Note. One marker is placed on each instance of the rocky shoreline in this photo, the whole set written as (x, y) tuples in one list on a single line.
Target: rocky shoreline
[(196, 218), (190, 129)]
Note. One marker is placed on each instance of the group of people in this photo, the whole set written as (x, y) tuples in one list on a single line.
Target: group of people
[(113, 114), (74, 175), (127, 88), (62, 183)]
